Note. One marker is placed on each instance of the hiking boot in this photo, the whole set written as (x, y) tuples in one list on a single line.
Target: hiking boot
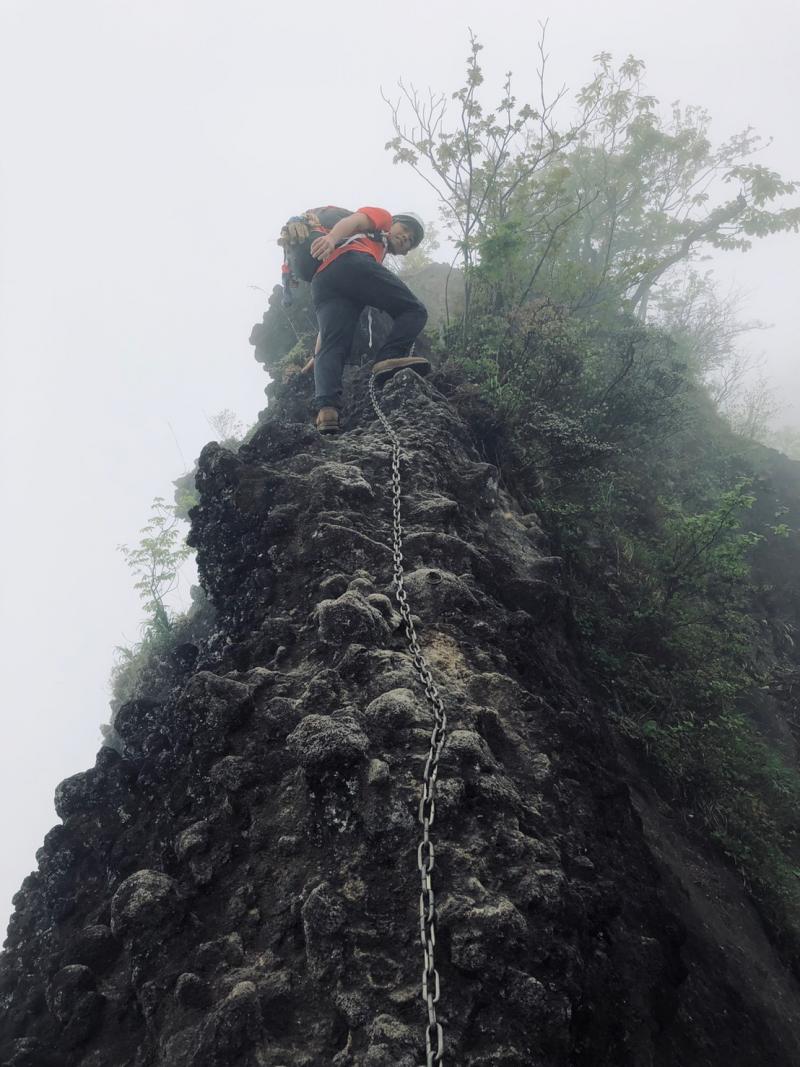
[(327, 420), (385, 368)]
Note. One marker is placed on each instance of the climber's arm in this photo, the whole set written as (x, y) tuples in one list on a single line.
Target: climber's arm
[(344, 228), (310, 365)]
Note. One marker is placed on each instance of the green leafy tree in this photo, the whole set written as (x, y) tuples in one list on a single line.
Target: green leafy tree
[(710, 545), (478, 162), (664, 191), (156, 563), (593, 213), (597, 390)]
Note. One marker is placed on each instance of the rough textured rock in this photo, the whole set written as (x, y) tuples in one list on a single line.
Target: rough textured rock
[(147, 901), (327, 741), (74, 1002), (238, 884)]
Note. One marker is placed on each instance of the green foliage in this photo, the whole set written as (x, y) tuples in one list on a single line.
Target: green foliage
[(297, 356), (699, 549), (574, 393), (132, 661), (422, 255), (186, 495), (477, 164), (156, 562), (722, 772), (665, 609), (684, 579), (595, 213), (607, 426)]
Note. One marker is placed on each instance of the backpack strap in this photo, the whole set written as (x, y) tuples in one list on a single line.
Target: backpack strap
[(374, 235), (296, 236)]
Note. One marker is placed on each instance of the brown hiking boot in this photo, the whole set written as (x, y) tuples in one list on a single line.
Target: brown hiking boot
[(385, 368), (327, 420)]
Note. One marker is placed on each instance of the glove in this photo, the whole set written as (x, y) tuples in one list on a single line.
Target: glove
[(297, 232), (293, 233)]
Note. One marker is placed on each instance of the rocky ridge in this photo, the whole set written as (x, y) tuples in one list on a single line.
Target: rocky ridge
[(235, 881)]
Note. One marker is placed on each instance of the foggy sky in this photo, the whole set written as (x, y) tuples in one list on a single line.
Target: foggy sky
[(150, 150)]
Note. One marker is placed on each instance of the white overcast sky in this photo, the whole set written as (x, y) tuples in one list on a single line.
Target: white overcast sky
[(149, 151)]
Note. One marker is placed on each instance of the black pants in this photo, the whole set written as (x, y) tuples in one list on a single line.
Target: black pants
[(340, 293)]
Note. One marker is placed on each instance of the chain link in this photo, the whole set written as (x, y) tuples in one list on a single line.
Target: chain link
[(434, 1037)]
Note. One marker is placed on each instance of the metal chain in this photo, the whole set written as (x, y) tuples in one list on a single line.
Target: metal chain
[(434, 1037)]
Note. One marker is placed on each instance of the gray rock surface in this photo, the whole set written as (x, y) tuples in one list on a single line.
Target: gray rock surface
[(238, 883)]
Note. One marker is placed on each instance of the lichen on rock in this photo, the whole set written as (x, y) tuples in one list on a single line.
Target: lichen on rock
[(148, 904), (330, 742)]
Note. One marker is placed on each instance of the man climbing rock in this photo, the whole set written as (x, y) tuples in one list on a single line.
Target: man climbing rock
[(351, 277)]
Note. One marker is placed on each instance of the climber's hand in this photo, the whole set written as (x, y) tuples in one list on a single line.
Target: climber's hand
[(308, 367), (298, 232), (293, 233), (322, 247)]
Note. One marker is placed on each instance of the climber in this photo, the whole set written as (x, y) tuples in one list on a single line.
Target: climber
[(351, 277)]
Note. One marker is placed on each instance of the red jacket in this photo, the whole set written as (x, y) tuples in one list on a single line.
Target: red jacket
[(381, 221)]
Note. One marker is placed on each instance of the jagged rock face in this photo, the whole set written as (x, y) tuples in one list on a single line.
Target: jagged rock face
[(238, 884)]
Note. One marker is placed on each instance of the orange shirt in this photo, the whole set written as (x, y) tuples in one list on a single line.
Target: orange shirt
[(381, 220)]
